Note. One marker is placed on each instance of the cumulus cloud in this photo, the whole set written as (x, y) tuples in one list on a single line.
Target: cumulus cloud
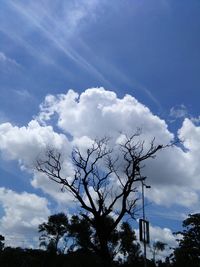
[(23, 212), (170, 194), (40, 181), (190, 134), (25, 143), (164, 235), (174, 175), (96, 112)]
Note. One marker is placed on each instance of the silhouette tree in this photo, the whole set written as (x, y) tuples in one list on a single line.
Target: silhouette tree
[(128, 245), (52, 231), (158, 246), (188, 251), (103, 183), (79, 230)]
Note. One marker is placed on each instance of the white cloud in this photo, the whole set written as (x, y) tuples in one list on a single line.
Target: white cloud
[(174, 174), (52, 189), (23, 212), (26, 143), (190, 134), (97, 112), (173, 194)]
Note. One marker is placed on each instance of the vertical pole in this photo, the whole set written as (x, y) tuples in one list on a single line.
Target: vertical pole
[(144, 226)]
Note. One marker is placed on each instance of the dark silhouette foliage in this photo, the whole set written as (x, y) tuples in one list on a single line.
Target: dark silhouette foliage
[(187, 254), (2, 239), (80, 235), (128, 245), (79, 230), (157, 246), (52, 231)]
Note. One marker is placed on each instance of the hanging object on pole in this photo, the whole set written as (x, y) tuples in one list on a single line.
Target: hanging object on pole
[(144, 231)]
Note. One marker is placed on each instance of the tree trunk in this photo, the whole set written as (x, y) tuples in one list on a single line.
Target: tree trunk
[(104, 253), (103, 247)]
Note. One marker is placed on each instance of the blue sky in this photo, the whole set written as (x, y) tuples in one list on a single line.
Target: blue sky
[(148, 49)]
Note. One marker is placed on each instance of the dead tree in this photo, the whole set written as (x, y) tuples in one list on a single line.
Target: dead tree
[(103, 184)]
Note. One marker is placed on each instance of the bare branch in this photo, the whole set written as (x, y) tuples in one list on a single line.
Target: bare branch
[(104, 179)]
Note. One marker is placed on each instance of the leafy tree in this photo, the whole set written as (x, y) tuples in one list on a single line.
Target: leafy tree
[(92, 184), (188, 251), (52, 231)]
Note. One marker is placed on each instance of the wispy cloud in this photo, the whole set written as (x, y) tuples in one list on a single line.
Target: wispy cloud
[(7, 60), (60, 24), (182, 112), (119, 74), (23, 94), (59, 31), (179, 112), (36, 52)]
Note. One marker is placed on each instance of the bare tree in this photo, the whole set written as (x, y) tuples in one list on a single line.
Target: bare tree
[(103, 184)]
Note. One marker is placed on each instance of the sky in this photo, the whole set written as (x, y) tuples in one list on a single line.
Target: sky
[(74, 70)]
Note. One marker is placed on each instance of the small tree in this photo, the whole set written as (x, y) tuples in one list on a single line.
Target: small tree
[(103, 183), (52, 231)]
